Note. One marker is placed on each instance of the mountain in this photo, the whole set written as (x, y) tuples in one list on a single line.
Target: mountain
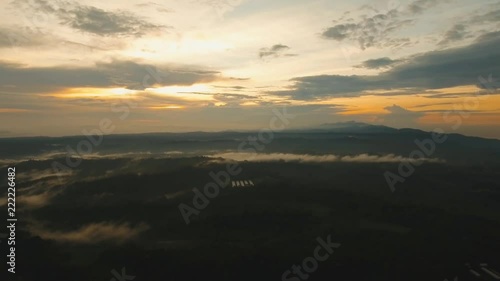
[(356, 127), (347, 138)]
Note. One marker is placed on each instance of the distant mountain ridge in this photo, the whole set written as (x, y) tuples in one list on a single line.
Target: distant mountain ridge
[(338, 127), (355, 127), (346, 138)]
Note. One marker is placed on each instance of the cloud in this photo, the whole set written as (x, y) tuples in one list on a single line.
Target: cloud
[(490, 16), (237, 156), (23, 37), (378, 63), (34, 201), (117, 73), (340, 32), (476, 23), (389, 158), (456, 33), (236, 99), (375, 28), (91, 19), (170, 196), (419, 6), (39, 187), (275, 51), (160, 8), (93, 233), (401, 117), (11, 37), (220, 7), (317, 87), (101, 22), (288, 157), (432, 70)]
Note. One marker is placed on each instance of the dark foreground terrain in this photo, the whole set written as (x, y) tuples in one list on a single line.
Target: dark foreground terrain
[(117, 213)]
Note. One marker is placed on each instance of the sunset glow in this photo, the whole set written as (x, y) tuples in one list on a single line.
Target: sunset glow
[(221, 58)]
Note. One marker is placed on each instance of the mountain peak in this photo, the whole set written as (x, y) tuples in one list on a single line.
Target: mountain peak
[(354, 126)]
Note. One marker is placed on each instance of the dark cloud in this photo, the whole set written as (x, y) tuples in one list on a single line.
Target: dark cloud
[(491, 16), (340, 32), (91, 19), (14, 37), (235, 99), (476, 24), (456, 33), (21, 79), (23, 37), (375, 29), (151, 100), (19, 37), (378, 63), (368, 32), (315, 87), (443, 96), (232, 87), (432, 70), (275, 51), (397, 43), (101, 22), (239, 78), (432, 104), (419, 6)]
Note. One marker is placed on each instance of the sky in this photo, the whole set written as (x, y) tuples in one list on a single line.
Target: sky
[(211, 65)]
